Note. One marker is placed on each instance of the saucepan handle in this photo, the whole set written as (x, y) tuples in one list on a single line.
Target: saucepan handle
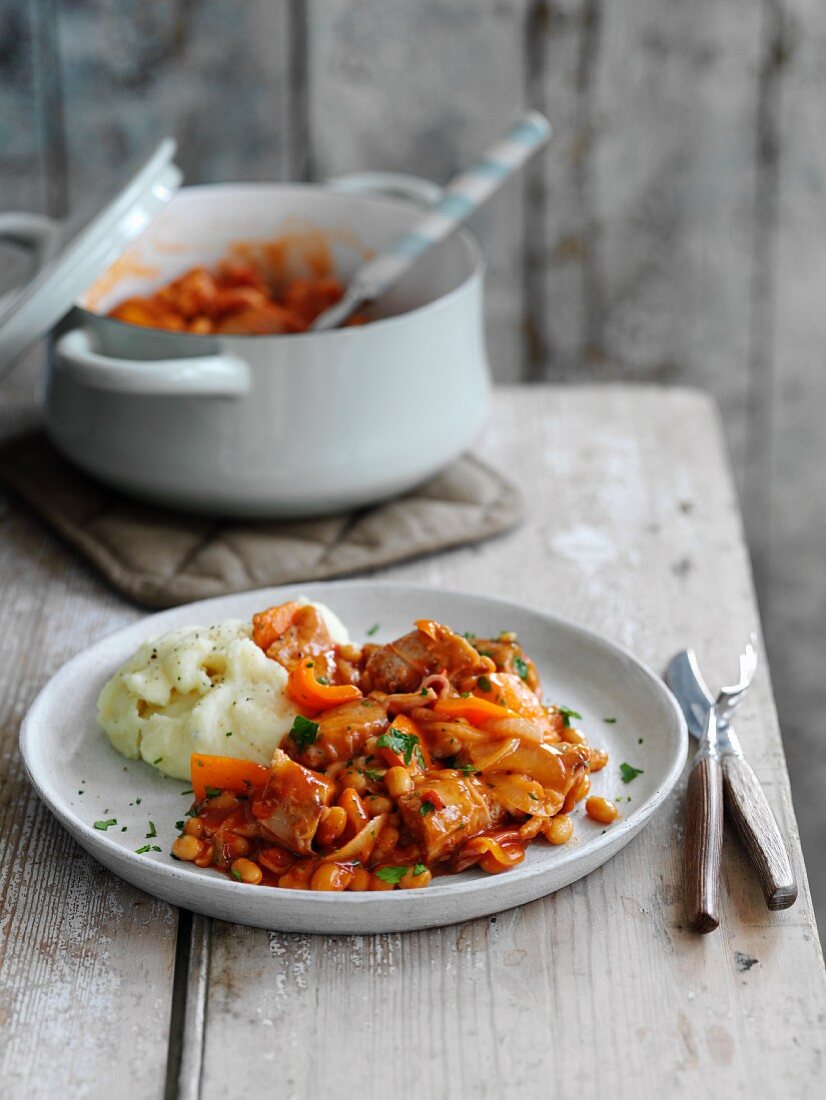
[(33, 231), (394, 185), (220, 375)]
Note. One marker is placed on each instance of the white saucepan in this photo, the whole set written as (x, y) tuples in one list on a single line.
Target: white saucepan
[(269, 426)]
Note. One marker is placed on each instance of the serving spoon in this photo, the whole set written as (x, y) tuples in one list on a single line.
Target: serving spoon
[(462, 197)]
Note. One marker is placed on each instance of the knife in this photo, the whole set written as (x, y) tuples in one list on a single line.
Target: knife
[(744, 798), (704, 830)]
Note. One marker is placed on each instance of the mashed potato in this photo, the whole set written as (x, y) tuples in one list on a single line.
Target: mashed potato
[(187, 690)]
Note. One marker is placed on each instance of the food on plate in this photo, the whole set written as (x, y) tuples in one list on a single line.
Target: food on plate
[(419, 758), (207, 690), (236, 297)]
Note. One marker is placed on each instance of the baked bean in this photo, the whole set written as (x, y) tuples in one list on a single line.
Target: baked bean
[(332, 825), (398, 781), (224, 801), (559, 829), (376, 804), (411, 881), (351, 803), (247, 871), (276, 860), (194, 827), (236, 846), (298, 877), (597, 759), (186, 847), (361, 879), (331, 876), (207, 856), (602, 810), (353, 779)]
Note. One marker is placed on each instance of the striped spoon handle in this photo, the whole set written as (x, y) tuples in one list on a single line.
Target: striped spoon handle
[(462, 197)]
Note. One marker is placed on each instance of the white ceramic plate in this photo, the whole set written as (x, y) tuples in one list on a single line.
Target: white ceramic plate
[(65, 753)]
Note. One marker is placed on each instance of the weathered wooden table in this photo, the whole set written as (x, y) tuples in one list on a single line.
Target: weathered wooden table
[(633, 528)]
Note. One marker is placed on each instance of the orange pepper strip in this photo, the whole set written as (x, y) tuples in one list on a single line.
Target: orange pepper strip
[(307, 692), (395, 759), (476, 711), (269, 625), (225, 773)]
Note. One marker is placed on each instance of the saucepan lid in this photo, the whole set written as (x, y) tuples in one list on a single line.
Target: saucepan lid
[(81, 248)]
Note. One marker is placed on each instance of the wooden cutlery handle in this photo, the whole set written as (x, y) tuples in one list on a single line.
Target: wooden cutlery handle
[(759, 832), (703, 844)]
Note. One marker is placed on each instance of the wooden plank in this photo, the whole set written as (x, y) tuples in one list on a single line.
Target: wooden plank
[(86, 961), (649, 194), (20, 150), (795, 529), (423, 88), (634, 530), (212, 74)]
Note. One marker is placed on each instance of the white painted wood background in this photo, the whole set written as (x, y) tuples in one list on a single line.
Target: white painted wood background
[(674, 232)]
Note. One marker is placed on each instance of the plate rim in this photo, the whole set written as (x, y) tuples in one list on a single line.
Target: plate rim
[(169, 873)]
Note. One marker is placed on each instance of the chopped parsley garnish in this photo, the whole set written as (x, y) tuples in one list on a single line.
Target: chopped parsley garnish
[(144, 848), (419, 869), (104, 825), (609, 721), (567, 715), (179, 824), (627, 772), (228, 733), (212, 792), (152, 830), (468, 769), (423, 691), (392, 875), (235, 874), (190, 791), (521, 668), (465, 695), (123, 828), (322, 680), (80, 792), (158, 761), (374, 629), (304, 732), (405, 744), (371, 774), (532, 796), (199, 762), (426, 808), (484, 684), (640, 740)]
